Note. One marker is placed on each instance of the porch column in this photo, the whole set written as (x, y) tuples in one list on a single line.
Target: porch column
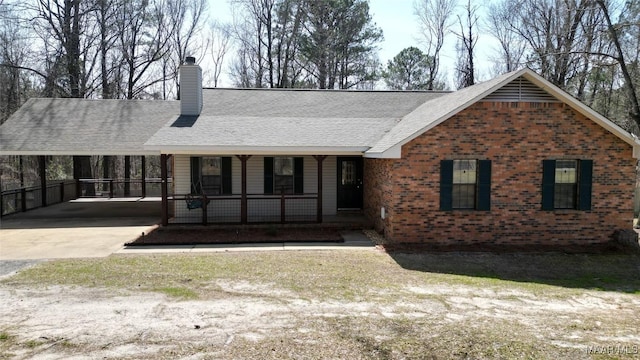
[(164, 190), (319, 160), (243, 196), (144, 176), (42, 162), (127, 175)]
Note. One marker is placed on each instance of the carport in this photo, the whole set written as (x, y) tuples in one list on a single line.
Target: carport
[(77, 228), (43, 128)]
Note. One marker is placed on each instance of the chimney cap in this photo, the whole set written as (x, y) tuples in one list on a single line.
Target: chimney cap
[(190, 60)]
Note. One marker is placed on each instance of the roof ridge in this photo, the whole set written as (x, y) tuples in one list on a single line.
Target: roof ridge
[(333, 90)]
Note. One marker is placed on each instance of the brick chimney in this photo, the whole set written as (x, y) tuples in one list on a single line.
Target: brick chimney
[(190, 87)]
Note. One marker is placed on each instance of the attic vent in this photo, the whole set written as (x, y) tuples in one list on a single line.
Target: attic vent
[(520, 89)]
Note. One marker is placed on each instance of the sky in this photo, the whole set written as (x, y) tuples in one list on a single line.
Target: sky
[(400, 28)]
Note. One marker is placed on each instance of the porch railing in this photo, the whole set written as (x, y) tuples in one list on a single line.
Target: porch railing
[(110, 188), (202, 209), (30, 197)]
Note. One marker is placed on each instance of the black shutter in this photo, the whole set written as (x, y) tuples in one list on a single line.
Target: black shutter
[(226, 176), (484, 185), (548, 184), (585, 179), (196, 186), (298, 175), (268, 175), (446, 185)]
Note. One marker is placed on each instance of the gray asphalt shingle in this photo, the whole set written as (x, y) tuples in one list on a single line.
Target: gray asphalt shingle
[(80, 126), (291, 118)]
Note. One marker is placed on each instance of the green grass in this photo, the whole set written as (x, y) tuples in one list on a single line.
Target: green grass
[(178, 292), (352, 275)]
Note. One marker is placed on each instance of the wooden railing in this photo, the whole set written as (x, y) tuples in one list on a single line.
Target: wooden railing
[(228, 209), (30, 197)]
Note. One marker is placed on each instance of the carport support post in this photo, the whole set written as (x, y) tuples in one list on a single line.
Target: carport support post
[(164, 189), (127, 175), (42, 162), (144, 176), (319, 159)]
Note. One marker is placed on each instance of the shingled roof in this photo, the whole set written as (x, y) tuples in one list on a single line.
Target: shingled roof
[(84, 127), (250, 121), (256, 121)]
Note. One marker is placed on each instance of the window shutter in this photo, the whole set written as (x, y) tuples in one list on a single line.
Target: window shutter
[(268, 175), (298, 175), (226, 176), (585, 179), (196, 187), (548, 184), (484, 185), (446, 185)]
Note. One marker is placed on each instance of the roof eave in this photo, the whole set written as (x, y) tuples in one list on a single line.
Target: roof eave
[(462, 106), (582, 108), (109, 152), (394, 152), (259, 150)]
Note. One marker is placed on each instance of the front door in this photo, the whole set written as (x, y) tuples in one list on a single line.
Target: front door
[(350, 183)]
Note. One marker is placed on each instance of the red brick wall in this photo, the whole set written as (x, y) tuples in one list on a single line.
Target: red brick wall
[(378, 193), (516, 139)]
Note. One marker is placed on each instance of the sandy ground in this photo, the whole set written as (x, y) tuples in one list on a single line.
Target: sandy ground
[(89, 323)]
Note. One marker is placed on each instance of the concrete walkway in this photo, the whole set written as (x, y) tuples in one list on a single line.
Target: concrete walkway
[(352, 240)]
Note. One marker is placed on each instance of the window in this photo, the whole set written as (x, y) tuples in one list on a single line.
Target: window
[(283, 175), (566, 184), (465, 184), (211, 175)]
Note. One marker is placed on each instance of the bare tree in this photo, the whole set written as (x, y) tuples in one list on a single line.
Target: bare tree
[(551, 30), (219, 41), (634, 112), (187, 18), (467, 40), (14, 48), (512, 48), (435, 18), (144, 41)]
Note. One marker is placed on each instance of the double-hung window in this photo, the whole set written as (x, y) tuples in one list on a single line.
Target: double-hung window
[(283, 175), (566, 184), (465, 184), (211, 175)]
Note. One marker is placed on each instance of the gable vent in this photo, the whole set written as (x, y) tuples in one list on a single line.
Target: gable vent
[(520, 89)]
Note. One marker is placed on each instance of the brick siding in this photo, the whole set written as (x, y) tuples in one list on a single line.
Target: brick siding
[(516, 137)]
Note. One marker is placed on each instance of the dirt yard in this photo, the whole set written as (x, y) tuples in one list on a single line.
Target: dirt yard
[(324, 305)]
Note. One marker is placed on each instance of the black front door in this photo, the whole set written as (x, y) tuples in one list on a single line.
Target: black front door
[(350, 183)]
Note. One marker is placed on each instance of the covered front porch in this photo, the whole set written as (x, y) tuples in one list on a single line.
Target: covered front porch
[(261, 188)]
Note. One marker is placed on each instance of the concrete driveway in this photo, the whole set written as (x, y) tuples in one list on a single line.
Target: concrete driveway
[(76, 229)]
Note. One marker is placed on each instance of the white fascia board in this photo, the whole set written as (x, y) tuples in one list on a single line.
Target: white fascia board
[(394, 152), (80, 153), (461, 107), (582, 108), (258, 150)]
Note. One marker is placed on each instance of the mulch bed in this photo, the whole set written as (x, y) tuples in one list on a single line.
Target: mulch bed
[(204, 235)]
